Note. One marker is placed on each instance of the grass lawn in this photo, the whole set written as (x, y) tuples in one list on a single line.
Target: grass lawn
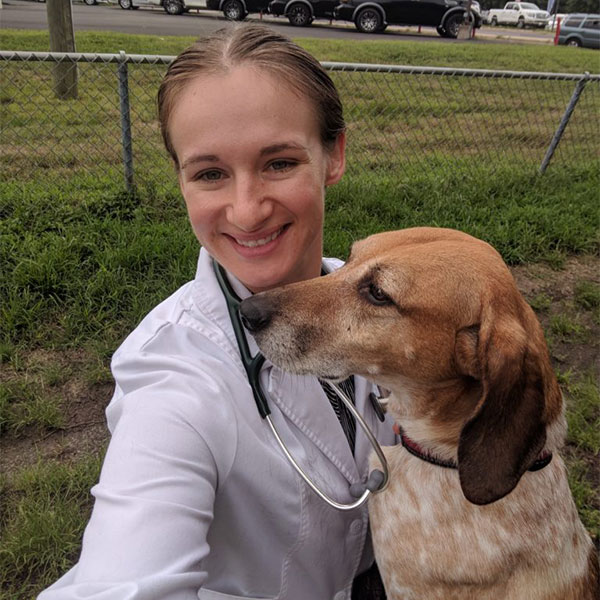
[(82, 262)]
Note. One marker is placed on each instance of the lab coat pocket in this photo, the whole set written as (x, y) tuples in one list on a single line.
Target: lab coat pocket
[(204, 594)]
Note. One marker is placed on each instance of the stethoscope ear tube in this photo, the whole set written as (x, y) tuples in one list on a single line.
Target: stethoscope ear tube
[(377, 480), (252, 364)]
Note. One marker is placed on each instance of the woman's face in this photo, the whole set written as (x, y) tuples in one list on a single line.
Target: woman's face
[(253, 173)]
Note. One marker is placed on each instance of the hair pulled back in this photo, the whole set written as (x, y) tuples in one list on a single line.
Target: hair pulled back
[(263, 48)]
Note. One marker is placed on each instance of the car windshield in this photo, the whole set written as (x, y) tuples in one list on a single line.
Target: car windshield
[(529, 6)]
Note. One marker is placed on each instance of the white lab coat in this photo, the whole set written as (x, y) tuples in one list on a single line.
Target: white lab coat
[(195, 499)]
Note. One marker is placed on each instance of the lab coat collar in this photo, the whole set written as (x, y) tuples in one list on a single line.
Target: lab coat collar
[(301, 399)]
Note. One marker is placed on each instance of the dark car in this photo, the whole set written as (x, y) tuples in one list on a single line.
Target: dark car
[(237, 10), (374, 16), (580, 30), (302, 12)]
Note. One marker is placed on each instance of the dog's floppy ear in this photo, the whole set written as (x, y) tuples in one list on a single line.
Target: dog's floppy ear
[(507, 431)]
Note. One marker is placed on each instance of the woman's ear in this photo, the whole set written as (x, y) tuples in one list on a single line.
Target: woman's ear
[(336, 160)]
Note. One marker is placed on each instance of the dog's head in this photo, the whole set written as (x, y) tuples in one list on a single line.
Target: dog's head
[(435, 316)]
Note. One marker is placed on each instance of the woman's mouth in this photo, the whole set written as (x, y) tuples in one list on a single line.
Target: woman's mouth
[(261, 241), (259, 246)]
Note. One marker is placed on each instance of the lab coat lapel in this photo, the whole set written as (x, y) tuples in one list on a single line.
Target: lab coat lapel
[(303, 401)]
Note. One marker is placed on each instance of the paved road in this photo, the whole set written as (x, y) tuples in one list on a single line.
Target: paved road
[(23, 14)]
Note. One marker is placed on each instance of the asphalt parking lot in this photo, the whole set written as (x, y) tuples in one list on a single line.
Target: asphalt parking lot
[(24, 14)]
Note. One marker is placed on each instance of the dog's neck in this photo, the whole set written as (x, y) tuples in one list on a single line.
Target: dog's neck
[(434, 416)]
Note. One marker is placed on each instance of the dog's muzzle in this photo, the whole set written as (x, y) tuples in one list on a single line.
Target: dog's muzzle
[(257, 312)]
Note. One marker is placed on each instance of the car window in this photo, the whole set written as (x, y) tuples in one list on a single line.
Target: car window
[(510, 6), (592, 23), (574, 21)]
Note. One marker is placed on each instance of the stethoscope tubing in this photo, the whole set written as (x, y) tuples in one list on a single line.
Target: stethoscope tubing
[(253, 364)]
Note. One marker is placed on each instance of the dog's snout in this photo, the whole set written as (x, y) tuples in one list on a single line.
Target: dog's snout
[(256, 313)]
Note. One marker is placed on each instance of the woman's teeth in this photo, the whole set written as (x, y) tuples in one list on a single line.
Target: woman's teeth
[(261, 242)]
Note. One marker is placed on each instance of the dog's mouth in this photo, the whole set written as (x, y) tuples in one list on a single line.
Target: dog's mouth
[(332, 378)]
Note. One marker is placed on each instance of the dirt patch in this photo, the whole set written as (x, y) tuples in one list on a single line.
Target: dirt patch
[(572, 329), (83, 431)]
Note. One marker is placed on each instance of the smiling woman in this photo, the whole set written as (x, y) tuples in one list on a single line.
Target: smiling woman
[(196, 500), (255, 195)]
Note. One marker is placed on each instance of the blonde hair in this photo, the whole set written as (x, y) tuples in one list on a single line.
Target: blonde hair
[(265, 49)]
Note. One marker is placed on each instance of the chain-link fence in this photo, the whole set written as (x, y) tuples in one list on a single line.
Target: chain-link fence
[(400, 119)]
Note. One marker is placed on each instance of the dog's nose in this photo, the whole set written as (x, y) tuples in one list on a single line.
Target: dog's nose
[(256, 313)]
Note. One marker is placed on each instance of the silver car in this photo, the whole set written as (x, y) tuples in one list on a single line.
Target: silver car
[(580, 30)]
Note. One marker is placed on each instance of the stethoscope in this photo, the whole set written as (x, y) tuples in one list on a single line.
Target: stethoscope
[(377, 480)]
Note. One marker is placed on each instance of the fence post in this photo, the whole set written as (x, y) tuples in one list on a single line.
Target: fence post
[(563, 122), (125, 121)]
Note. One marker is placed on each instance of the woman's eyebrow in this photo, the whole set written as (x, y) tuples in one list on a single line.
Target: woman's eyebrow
[(274, 148), (199, 158)]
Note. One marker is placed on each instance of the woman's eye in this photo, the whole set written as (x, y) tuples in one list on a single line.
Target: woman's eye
[(375, 295), (281, 165), (212, 175)]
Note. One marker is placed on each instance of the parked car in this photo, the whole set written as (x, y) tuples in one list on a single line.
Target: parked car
[(171, 7), (302, 12), (521, 14), (373, 16), (237, 10), (580, 30)]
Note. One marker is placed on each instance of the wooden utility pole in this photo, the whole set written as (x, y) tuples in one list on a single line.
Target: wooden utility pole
[(62, 39)]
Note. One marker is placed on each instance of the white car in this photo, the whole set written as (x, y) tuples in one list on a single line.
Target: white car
[(521, 14), (172, 7)]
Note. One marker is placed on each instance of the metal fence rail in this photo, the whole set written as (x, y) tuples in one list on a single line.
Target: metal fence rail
[(402, 120)]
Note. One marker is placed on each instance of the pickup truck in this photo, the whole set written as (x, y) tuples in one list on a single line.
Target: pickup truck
[(521, 14)]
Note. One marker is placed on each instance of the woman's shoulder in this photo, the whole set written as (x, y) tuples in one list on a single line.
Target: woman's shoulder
[(178, 359)]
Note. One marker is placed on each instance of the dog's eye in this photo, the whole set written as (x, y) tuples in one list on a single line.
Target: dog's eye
[(375, 295)]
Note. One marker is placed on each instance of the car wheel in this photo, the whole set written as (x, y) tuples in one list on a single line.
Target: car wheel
[(369, 20), (234, 10), (173, 7), (299, 15), (494, 22), (521, 23), (125, 4), (90, 2), (575, 42), (441, 31), (452, 24)]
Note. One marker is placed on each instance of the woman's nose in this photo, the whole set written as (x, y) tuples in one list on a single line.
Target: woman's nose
[(250, 206)]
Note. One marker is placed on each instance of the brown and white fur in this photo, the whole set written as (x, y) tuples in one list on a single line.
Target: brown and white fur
[(434, 316)]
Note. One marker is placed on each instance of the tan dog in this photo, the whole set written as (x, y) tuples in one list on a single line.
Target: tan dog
[(478, 506)]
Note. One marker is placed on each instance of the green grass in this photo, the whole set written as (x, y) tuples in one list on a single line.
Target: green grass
[(26, 404), (82, 261), (583, 398), (587, 295), (44, 511), (439, 54), (78, 268), (583, 417), (566, 327)]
